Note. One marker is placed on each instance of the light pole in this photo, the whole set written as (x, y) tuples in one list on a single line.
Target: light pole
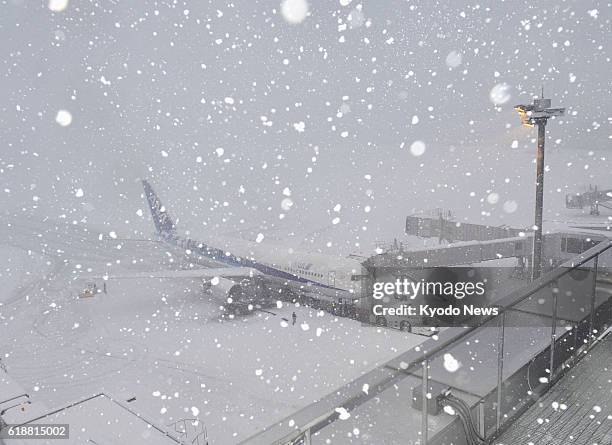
[(538, 114)]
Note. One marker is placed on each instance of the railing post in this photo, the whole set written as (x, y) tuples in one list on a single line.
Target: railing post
[(500, 367), (481, 418), (307, 440), (593, 296), (553, 329), (424, 407)]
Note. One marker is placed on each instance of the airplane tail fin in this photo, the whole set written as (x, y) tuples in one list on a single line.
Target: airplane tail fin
[(161, 217)]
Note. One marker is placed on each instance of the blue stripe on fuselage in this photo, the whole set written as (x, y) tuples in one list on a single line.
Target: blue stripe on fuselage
[(228, 258)]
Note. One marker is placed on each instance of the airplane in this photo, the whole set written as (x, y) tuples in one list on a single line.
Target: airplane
[(252, 274)]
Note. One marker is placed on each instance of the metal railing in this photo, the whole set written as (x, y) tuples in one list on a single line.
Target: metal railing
[(551, 285)]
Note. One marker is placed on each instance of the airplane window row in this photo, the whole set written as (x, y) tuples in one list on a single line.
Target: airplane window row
[(304, 272), (297, 271)]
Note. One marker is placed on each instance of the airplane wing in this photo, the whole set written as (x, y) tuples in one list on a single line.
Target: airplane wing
[(221, 272)]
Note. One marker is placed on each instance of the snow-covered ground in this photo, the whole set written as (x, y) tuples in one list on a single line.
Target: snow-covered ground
[(163, 341), (20, 269)]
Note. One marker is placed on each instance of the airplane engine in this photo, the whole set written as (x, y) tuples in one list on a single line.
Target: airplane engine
[(222, 289), (235, 297)]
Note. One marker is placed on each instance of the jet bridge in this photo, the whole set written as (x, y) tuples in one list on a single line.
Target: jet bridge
[(445, 228), (467, 252)]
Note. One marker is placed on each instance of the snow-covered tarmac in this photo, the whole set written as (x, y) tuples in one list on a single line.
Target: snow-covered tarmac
[(163, 341)]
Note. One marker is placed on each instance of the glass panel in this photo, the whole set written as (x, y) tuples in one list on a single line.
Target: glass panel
[(540, 340)]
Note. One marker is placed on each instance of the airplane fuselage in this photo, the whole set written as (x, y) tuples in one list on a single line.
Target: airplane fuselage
[(331, 276)]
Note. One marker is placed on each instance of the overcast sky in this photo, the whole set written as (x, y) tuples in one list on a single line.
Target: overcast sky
[(229, 109)]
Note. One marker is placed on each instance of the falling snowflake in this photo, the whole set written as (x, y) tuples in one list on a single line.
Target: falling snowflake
[(510, 206), (417, 148), (343, 414), (286, 204), (451, 364), (63, 117), (294, 11), (57, 5), (500, 94), (493, 198), (453, 59)]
